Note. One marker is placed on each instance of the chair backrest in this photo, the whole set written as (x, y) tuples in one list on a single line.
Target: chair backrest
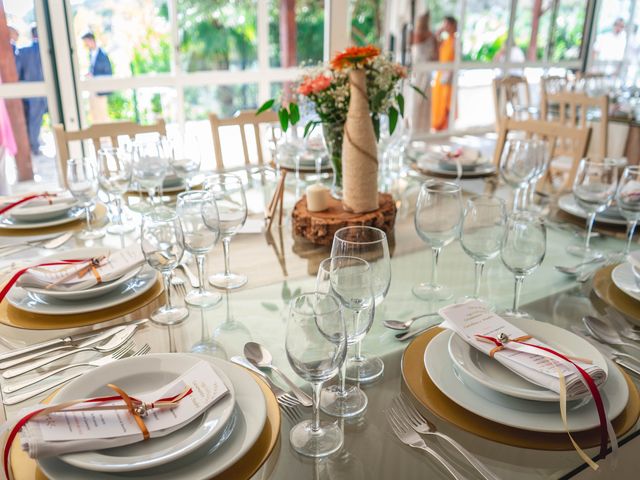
[(241, 120), (511, 97), (552, 84), (97, 133), (553, 134)]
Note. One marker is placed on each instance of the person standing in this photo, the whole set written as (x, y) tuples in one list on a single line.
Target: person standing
[(14, 35), (424, 49), (99, 66), (441, 92)]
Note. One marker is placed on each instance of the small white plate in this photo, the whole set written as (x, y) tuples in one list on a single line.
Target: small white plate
[(492, 374), (138, 375), (567, 203), (516, 412), (42, 213), (624, 278), (201, 464), (71, 215)]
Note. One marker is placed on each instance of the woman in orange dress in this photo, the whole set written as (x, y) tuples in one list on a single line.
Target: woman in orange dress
[(441, 91)]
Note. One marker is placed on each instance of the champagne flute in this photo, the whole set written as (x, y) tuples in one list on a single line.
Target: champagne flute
[(150, 166), (230, 199), (437, 220), (522, 251), (82, 181), (518, 166), (316, 345), (163, 246), (594, 187), (200, 221), (628, 201), (185, 158), (370, 244), (541, 149), (115, 170)]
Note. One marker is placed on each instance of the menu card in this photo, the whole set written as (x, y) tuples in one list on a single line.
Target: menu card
[(472, 318)]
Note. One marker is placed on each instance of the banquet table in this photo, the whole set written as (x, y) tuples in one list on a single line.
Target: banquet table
[(279, 266)]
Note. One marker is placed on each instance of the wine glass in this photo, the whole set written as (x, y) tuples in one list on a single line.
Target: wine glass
[(349, 279), (82, 181), (185, 158), (594, 187), (163, 246), (316, 345), (437, 221), (522, 251), (200, 236), (518, 166), (482, 232), (230, 199), (541, 149), (150, 166), (628, 201), (115, 170), (370, 244)]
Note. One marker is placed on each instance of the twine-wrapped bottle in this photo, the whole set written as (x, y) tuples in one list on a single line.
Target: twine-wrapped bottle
[(359, 150)]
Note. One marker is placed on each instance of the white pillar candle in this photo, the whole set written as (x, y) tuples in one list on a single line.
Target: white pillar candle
[(317, 198)]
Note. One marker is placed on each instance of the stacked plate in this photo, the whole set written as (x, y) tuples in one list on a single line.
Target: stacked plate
[(611, 216), (171, 184), (38, 213), (486, 388), (626, 276), (448, 158), (206, 447)]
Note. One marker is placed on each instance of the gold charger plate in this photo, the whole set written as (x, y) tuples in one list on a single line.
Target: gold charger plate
[(99, 217), (14, 317), (423, 390), (25, 468), (607, 292), (469, 174)]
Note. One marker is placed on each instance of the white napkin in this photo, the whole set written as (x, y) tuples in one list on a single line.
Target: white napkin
[(535, 365), (115, 265), (60, 199)]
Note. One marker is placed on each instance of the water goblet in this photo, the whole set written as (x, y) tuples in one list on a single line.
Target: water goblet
[(628, 201), (163, 246), (522, 251), (82, 181), (230, 199), (437, 221), (185, 158), (150, 166), (316, 346), (517, 166), (200, 222), (115, 170)]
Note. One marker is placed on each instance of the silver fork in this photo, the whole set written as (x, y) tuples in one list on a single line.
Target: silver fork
[(421, 425), (408, 436), (292, 413), (179, 285), (285, 399)]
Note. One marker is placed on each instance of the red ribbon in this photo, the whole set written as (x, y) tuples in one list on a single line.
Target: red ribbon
[(593, 388), (26, 199)]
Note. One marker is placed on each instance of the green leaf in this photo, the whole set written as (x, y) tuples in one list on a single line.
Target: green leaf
[(400, 100), (294, 113), (310, 127), (376, 126), (283, 116), (272, 307), (422, 94), (393, 119), (378, 99), (266, 106)]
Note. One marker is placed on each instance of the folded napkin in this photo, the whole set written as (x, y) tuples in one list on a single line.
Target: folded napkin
[(62, 432), (472, 320), (76, 277), (35, 200)]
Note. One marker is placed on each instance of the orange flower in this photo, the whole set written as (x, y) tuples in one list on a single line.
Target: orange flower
[(400, 70), (354, 57), (312, 85)]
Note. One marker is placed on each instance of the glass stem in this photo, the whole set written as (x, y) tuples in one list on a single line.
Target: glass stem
[(315, 427), (225, 248), (358, 356), (516, 293), (435, 253), (532, 191), (479, 270), (152, 195), (87, 212), (200, 264), (343, 379), (118, 201), (631, 228), (166, 277), (523, 197), (172, 341), (590, 219)]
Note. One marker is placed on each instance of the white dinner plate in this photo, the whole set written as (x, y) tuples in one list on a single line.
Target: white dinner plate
[(304, 166), (132, 288), (41, 213), (71, 215), (567, 203), (144, 374), (203, 463), (492, 374), (516, 412), (96, 291), (624, 278)]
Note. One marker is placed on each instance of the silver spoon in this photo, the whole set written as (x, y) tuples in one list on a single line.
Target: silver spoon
[(260, 357), (600, 330), (576, 268), (398, 325)]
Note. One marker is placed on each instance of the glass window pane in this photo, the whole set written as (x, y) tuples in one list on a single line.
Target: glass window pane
[(305, 29), (22, 38), (218, 35), (438, 10), (568, 30), (532, 27), (475, 99), (485, 31), (123, 39), (367, 21), (223, 100), (611, 37)]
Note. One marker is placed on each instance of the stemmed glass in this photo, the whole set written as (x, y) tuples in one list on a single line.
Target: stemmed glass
[(185, 158), (200, 223), (518, 166), (115, 170), (230, 199), (150, 166), (594, 187), (370, 244), (349, 279), (628, 201), (482, 232), (82, 181), (163, 246), (316, 345), (541, 151), (437, 220), (523, 249)]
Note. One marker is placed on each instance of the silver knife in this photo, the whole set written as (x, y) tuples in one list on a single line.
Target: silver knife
[(69, 340), (628, 366)]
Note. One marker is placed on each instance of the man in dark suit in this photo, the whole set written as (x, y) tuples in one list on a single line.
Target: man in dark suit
[(99, 66), (29, 68)]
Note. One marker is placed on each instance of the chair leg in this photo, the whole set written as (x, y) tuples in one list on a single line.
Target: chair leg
[(276, 199)]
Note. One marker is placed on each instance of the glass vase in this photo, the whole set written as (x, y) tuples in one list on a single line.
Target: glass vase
[(333, 140)]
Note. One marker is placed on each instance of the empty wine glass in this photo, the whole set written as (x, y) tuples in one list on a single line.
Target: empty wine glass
[(163, 246), (150, 166), (482, 232), (316, 345), (230, 199), (115, 170), (628, 201), (541, 149), (185, 158), (82, 181), (522, 251), (437, 221), (349, 279), (370, 244), (200, 221), (594, 187), (518, 166)]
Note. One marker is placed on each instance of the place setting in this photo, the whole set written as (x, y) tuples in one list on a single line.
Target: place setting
[(450, 160)]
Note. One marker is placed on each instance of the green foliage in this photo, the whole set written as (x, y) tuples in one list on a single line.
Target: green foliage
[(366, 22), (120, 107)]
